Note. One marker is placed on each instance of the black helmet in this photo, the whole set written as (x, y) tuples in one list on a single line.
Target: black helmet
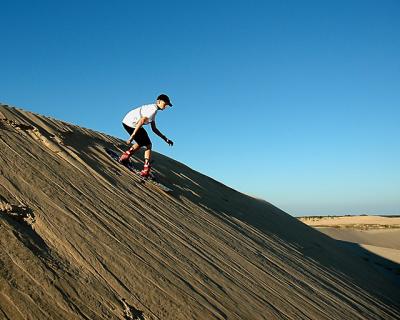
[(164, 98)]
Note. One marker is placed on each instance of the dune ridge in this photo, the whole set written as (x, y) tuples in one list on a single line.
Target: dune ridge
[(99, 244)]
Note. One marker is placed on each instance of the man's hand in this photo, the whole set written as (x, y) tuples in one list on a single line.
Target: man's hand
[(170, 142)]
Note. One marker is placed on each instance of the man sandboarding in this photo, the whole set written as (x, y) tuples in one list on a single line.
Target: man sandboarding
[(133, 123)]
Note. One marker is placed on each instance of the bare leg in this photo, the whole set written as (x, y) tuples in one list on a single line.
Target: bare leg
[(134, 148), (127, 154), (147, 154)]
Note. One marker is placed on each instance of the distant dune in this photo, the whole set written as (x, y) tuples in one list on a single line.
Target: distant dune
[(83, 238), (355, 222), (378, 234)]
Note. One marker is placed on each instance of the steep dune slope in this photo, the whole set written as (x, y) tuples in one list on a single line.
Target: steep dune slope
[(82, 238)]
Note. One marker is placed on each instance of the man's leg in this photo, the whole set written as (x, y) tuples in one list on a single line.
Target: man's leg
[(127, 154), (134, 148), (147, 156)]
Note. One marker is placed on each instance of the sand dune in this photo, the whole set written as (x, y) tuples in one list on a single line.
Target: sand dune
[(381, 238), (82, 238), (363, 222), (377, 234)]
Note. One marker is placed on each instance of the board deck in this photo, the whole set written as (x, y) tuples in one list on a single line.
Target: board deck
[(152, 179)]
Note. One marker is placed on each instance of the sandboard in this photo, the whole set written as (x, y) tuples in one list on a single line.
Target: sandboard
[(152, 179)]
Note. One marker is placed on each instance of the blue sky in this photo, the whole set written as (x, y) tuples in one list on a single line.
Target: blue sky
[(296, 102)]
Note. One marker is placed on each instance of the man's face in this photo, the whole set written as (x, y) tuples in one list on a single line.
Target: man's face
[(161, 104)]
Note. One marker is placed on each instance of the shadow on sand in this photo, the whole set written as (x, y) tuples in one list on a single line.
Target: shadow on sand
[(342, 259)]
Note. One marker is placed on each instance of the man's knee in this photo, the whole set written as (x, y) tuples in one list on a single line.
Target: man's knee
[(148, 147)]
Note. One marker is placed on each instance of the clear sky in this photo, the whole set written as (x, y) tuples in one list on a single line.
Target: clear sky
[(295, 102)]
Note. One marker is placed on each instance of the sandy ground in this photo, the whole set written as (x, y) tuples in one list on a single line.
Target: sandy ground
[(81, 237), (354, 221), (378, 235), (387, 238), (385, 243)]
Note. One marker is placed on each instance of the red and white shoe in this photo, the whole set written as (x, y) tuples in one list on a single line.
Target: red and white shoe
[(146, 171), (124, 158)]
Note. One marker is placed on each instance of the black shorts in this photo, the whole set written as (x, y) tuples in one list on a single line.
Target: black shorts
[(141, 137)]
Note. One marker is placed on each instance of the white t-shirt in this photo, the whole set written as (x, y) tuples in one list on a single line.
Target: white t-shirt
[(147, 110)]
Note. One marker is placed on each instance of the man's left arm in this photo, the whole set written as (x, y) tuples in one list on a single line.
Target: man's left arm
[(157, 132)]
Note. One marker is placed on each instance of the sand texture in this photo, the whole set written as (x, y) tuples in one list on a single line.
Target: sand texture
[(354, 222), (377, 234), (82, 238)]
